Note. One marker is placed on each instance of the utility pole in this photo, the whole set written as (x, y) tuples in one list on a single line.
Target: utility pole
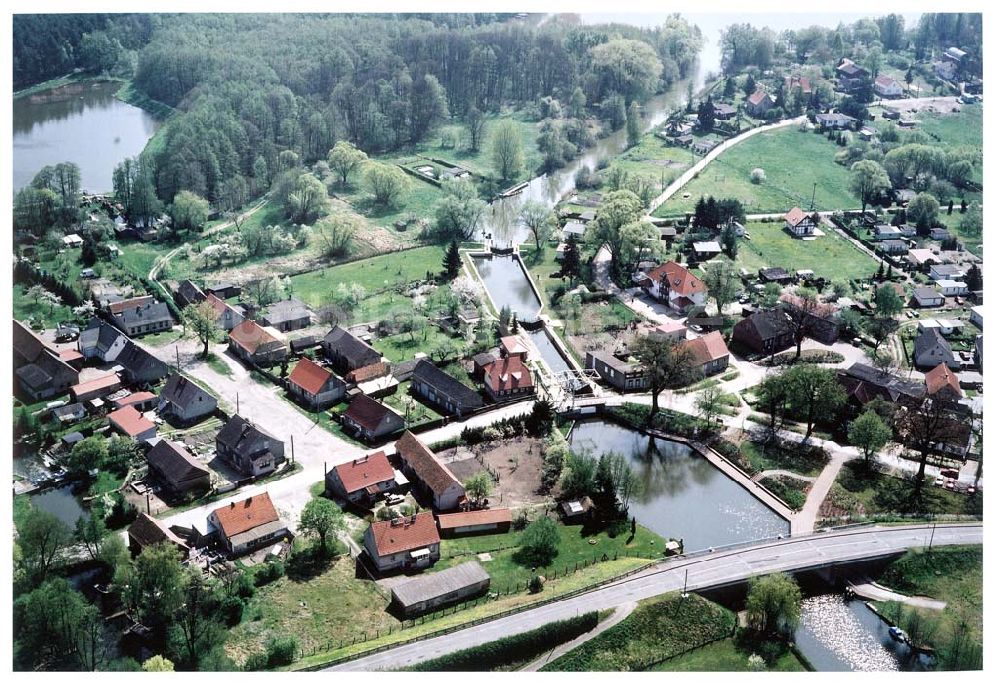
[(237, 403), (177, 354), (292, 437), (931, 543), (684, 592), (812, 202)]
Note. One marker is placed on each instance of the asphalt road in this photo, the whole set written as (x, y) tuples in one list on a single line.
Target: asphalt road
[(709, 570)]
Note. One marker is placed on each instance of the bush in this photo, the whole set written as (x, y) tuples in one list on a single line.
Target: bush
[(539, 543), (231, 610), (536, 585), (508, 652), (256, 661), (758, 176), (271, 571), (281, 651)]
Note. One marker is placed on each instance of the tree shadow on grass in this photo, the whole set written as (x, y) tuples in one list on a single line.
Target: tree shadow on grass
[(309, 563)]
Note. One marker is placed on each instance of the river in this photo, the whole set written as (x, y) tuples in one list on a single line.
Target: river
[(83, 123)]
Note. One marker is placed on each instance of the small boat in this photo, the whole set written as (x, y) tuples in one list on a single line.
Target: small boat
[(898, 634)]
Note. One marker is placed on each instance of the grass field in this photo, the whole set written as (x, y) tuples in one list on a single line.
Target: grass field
[(794, 162), (953, 575), (829, 256), (48, 315), (658, 628), (724, 656), (654, 160), (575, 550), (403, 347), (973, 242), (374, 274)]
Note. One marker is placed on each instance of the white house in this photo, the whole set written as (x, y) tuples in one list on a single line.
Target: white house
[(927, 297), (673, 283), (977, 316), (882, 232), (950, 287), (799, 223), (888, 87), (941, 271)]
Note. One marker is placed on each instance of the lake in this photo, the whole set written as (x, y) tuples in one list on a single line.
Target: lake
[(683, 494), (82, 123)]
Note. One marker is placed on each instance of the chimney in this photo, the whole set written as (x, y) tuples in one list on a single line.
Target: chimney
[(232, 505)]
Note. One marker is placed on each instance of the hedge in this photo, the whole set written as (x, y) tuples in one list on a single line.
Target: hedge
[(512, 651)]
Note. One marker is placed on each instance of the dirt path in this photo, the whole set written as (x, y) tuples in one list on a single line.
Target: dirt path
[(620, 614), (783, 472), (691, 172), (804, 521)]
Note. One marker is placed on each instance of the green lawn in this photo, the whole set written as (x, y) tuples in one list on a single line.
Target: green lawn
[(575, 550), (829, 256), (418, 202), (403, 346), (973, 242), (724, 656), (659, 628), (374, 274), (48, 315), (655, 160), (794, 162)]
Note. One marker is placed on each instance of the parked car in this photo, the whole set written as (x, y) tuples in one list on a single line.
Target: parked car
[(971, 490), (939, 481), (949, 484), (950, 473)]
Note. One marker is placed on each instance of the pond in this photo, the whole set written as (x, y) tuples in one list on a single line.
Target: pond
[(837, 635), (61, 503), (683, 494), (508, 285), (82, 123)]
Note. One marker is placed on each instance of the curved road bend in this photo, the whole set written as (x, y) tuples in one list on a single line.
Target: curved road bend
[(704, 571)]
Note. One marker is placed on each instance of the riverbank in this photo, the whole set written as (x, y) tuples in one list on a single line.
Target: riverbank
[(68, 79)]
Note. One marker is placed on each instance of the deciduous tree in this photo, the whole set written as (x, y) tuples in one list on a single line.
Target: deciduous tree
[(507, 150), (321, 518)]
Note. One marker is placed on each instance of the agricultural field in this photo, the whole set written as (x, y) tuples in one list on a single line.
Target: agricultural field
[(794, 161), (830, 256)]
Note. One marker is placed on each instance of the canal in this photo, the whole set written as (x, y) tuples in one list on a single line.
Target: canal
[(508, 285), (683, 495), (83, 123)]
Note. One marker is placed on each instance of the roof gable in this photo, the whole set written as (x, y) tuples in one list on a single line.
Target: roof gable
[(405, 534), (425, 464), (365, 471), (239, 517), (311, 377)]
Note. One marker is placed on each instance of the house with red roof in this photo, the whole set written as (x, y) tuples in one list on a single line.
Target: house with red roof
[(709, 353), (800, 223), (941, 382), (257, 345), (671, 330), (362, 480), (674, 284), (106, 384), (314, 385), (513, 347), (759, 103), (130, 422), (508, 378), (430, 473), (798, 82), (247, 525), (371, 420), (407, 543), (226, 316), (885, 86)]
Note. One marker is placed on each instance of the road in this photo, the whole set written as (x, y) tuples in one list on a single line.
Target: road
[(709, 570), (687, 175)]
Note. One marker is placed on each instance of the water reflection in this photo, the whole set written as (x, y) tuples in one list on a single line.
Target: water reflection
[(683, 494), (82, 123), (845, 636), (61, 503)]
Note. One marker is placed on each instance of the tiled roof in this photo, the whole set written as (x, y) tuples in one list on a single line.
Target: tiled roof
[(239, 517), (140, 397), (678, 278), (309, 376), (139, 301), (366, 412), (405, 534), (446, 384), (106, 381), (130, 421), (250, 336), (175, 463), (795, 216), (365, 471), (368, 372), (245, 438), (357, 352), (941, 378), (508, 374), (474, 518), (147, 531), (707, 348), (427, 467), (183, 392), (757, 97), (512, 345)]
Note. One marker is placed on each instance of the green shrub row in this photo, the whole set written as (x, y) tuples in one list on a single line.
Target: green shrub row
[(510, 652)]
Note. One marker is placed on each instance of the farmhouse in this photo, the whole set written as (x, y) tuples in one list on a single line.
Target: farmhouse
[(765, 332), (362, 480), (226, 316), (930, 349), (248, 448), (927, 297), (187, 293), (247, 525), (759, 103), (139, 366), (40, 371), (887, 87), (434, 590), (850, 76), (146, 531), (798, 82), (177, 469), (673, 283), (286, 316), (479, 521), (443, 390), (257, 345), (314, 385), (347, 352), (433, 476), (223, 289), (370, 420), (941, 382), (142, 315), (128, 421), (622, 375), (724, 112), (408, 543), (101, 340), (709, 353), (508, 378), (800, 223), (184, 401)]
